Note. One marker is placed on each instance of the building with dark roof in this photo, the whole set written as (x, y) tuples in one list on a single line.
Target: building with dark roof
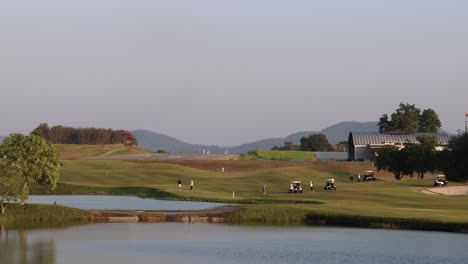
[(363, 145)]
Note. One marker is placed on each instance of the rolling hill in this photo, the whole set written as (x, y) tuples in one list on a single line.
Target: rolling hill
[(154, 141), (338, 132), (335, 134)]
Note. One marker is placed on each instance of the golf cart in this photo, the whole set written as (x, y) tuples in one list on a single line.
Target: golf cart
[(295, 187), (440, 180), (330, 185), (368, 176)]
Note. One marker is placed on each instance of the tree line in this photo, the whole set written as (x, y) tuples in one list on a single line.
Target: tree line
[(71, 135), (314, 142), (419, 159)]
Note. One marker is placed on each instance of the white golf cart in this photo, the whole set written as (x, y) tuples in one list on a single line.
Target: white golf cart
[(440, 180), (295, 187)]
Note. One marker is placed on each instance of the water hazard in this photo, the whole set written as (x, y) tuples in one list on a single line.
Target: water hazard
[(115, 243), (109, 202)]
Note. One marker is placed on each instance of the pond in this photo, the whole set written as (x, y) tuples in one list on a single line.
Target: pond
[(115, 243), (103, 202)]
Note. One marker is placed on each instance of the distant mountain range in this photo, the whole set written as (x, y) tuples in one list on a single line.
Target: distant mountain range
[(336, 133)]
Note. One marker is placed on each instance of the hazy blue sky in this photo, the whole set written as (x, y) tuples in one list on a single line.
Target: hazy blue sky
[(228, 72)]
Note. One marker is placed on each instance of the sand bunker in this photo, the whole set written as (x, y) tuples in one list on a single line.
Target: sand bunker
[(451, 190)]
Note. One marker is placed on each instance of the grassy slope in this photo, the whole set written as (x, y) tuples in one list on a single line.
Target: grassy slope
[(130, 150), (279, 155), (74, 151), (401, 199)]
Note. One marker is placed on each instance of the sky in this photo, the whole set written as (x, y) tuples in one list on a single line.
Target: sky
[(229, 72)]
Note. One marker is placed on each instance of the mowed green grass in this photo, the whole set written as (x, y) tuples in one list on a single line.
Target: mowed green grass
[(259, 154), (75, 151), (130, 150), (402, 199)]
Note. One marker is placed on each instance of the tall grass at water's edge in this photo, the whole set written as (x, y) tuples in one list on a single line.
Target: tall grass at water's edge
[(33, 214), (296, 216)]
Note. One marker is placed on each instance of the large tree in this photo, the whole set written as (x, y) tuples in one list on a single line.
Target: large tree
[(408, 118), (315, 142), (394, 161), (33, 159), (412, 159), (9, 187), (429, 121), (454, 160), (422, 157)]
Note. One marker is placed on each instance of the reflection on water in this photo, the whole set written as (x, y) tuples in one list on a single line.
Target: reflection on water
[(15, 248), (102, 202), (201, 243)]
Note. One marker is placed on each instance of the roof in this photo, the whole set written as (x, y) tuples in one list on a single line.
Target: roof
[(377, 138)]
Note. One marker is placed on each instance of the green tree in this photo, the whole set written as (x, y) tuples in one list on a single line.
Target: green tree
[(315, 142), (422, 157), (288, 145), (42, 130), (9, 187), (429, 121), (413, 159), (385, 125), (394, 161), (33, 158), (408, 118), (454, 160)]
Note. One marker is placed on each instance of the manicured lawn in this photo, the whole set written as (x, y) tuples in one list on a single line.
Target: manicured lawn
[(73, 151), (259, 154), (130, 150), (389, 198)]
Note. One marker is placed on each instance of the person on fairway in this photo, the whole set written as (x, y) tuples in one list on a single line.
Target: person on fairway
[(180, 184), (311, 186), (191, 184)]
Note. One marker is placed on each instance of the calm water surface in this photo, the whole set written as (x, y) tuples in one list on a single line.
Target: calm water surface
[(103, 202), (218, 243)]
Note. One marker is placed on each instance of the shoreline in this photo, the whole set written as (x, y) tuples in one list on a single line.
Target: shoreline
[(221, 215), (240, 216), (212, 215)]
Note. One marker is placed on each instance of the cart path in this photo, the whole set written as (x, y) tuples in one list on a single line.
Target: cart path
[(207, 215)]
